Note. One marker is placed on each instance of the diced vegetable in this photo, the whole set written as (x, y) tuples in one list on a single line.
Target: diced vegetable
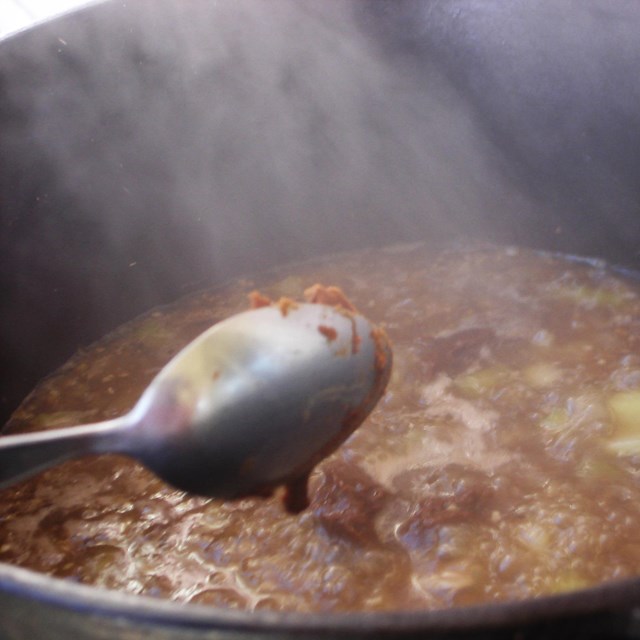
[(542, 375), (593, 296), (624, 446), (152, 328), (599, 468), (570, 581), (625, 409), (556, 420), (534, 536), (482, 382)]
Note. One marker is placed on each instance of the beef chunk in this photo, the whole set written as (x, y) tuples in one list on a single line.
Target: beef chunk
[(346, 502), (448, 495)]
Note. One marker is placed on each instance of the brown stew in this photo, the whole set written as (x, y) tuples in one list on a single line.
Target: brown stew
[(503, 463)]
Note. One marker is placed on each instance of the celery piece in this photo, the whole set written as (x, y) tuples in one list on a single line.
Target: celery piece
[(535, 536), (542, 375), (593, 296), (624, 446), (556, 420), (152, 332), (481, 382), (625, 410), (599, 468), (569, 581)]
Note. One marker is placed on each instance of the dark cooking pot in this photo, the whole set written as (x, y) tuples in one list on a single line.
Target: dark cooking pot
[(150, 148)]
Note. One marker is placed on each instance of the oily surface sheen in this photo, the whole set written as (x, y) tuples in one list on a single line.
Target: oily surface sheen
[(503, 463)]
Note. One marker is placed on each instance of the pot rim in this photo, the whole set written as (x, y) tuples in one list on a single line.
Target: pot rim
[(619, 596)]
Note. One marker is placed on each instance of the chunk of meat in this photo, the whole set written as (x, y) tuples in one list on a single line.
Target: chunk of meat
[(346, 502), (453, 494)]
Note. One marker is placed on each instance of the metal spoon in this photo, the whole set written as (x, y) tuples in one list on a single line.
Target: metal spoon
[(253, 402)]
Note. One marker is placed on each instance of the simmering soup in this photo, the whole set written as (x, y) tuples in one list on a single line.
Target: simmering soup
[(503, 462)]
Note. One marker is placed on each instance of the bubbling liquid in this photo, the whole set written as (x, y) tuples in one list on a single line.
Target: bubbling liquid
[(503, 462)]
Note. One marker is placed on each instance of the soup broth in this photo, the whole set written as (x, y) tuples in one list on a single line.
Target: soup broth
[(503, 462)]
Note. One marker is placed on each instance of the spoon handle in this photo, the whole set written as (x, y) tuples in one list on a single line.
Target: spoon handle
[(24, 455)]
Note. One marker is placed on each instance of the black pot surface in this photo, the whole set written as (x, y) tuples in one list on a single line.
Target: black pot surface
[(150, 148)]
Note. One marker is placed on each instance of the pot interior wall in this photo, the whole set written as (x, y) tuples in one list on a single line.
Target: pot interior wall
[(150, 148)]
